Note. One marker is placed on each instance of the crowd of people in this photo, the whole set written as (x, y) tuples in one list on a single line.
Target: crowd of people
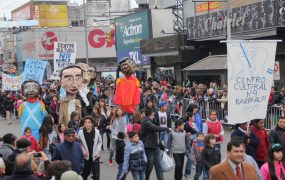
[(72, 149)]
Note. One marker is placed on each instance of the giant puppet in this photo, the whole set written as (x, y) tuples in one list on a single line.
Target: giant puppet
[(88, 82), (32, 111), (88, 75), (127, 94), (70, 81)]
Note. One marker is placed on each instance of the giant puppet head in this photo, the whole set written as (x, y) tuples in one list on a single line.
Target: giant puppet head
[(71, 79), (89, 73), (127, 66), (31, 89)]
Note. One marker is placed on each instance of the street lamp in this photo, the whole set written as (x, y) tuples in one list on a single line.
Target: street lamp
[(85, 32)]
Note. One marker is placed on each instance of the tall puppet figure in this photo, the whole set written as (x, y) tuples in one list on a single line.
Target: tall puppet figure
[(70, 81), (32, 111), (127, 94)]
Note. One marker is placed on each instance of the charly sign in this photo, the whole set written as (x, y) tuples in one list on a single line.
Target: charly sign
[(281, 13), (246, 18), (130, 30)]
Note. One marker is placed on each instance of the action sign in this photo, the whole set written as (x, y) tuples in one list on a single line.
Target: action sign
[(11, 83), (35, 70), (64, 54), (250, 78)]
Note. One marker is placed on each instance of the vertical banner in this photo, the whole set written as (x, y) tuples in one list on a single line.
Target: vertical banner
[(11, 83), (250, 78), (64, 54), (35, 70)]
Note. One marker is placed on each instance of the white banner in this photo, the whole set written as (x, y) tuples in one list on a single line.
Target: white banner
[(11, 83), (250, 78), (64, 54)]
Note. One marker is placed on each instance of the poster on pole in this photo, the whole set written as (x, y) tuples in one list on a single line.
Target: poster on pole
[(35, 70), (64, 54), (250, 78), (10, 83), (276, 71)]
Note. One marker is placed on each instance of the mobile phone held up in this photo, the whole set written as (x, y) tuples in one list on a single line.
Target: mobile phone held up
[(36, 155)]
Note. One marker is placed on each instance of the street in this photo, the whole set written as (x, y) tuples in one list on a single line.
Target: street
[(107, 172)]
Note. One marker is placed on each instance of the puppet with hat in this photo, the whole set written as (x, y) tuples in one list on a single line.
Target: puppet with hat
[(127, 94)]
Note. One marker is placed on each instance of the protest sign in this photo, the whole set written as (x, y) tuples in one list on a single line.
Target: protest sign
[(250, 78), (64, 54), (34, 70), (11, 83)]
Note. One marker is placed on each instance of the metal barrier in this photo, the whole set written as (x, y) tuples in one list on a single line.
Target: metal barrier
[(273, 112)]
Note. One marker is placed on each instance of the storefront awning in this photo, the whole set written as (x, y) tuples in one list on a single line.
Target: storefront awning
[(217, 62), (171, 53)]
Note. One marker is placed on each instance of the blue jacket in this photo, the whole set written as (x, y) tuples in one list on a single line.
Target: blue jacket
[(71, 152), (134, 157), (198, 121)]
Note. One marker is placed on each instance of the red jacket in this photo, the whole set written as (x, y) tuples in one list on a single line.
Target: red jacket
[(35, 146), (261, 149)]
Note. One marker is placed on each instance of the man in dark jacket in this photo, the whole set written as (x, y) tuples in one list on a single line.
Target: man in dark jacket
[(69, 150), (248, 138), (92, 100), (277, 135), (149, 137), (23, 168)]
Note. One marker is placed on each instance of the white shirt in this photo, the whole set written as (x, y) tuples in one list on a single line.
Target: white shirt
[(162, 117)]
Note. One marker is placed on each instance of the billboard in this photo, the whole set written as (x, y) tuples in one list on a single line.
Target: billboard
[(23, 12), (39, 43), (246, 18), (130, 30), (51, 15)]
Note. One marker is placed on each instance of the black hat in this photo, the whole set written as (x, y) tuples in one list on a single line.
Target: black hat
[(69, 131), (9, 138), (121, 135), (23, 143)]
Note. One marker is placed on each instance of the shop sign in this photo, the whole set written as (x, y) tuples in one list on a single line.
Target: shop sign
[(130, 30), (246, 18), (281, 13), (208, 6)]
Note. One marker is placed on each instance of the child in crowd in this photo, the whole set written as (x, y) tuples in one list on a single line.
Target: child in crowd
[(210, 156), (162, 118), (191, 130), (28, 135), (198, 146), (261, 134), (134, 158), (274, 168), (117, 126), (120, 146), (91, 142), (179, 145), (60, 132), (74, 121)]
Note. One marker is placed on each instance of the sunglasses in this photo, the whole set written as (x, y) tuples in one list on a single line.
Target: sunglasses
[(213, 114)]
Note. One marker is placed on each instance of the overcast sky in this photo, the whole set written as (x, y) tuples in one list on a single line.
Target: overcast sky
[(6, 6)]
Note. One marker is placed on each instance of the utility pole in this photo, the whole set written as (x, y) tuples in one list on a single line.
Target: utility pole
[(229, 36), (85, 32)]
